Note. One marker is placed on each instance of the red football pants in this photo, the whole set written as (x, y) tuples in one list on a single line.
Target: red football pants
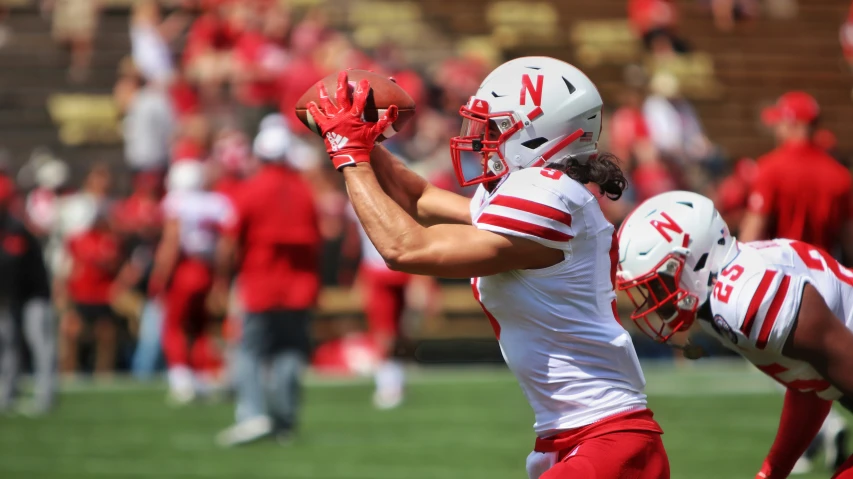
[(385, 297), (617, 455), (186, 339)]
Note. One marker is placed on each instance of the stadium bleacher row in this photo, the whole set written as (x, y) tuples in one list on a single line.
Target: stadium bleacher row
[(729, 76)]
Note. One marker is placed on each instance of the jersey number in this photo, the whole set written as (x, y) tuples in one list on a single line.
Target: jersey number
[(723, 291), (819, 260)]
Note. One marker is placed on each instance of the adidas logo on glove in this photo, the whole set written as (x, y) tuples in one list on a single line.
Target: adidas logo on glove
[(336, 142)]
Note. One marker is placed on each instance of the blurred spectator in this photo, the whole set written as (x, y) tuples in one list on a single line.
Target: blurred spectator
[(192, 140), (42, 202), (650, 175), (655, 22), (230, 161), (303, 69), (150, 36), (384, 298), (279, 284), (800, 191), (182, 273), (208, 53), (24, 293), (675, 128), (727, 12), (260, 58), (140, 221), (75, 23), (846, 37), (76, 215), (733, 192), (149, 124), (627, 124), (95, 256)]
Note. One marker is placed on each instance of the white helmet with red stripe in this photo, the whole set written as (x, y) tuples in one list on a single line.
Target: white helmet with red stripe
[(528, 112), (671, 248)]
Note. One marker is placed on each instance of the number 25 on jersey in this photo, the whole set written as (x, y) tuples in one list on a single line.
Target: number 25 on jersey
[(723, 289)]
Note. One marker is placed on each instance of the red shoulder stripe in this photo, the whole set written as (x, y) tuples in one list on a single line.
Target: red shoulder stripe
[(773, 312), (523, 227), (533, 207), (755, 303)]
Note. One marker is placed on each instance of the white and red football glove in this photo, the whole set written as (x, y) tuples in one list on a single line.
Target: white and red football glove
[(349, 138)]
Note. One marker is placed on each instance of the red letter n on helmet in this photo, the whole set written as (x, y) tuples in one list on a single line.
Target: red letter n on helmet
[(666, 224), (527, 87)]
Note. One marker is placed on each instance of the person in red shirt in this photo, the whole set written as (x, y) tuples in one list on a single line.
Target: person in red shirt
[(95, 258), (800, 191), (277, 234)]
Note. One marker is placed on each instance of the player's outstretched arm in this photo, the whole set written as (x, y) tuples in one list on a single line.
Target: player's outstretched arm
[(451, 251), (821, 339), (428, 204), (802, 416)]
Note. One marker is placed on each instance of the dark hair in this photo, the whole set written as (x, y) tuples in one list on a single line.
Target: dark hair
[(603, 170)]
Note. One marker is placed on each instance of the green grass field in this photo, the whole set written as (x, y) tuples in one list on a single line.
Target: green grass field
[(719, 421)]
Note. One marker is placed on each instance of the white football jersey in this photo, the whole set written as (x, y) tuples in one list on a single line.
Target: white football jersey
[(756, 300), (201, 215), (557, 326)]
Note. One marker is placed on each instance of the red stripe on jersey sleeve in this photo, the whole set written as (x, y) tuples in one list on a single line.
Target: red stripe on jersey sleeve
[(523, 227), (755, 303), (534, 208), (773, 312)]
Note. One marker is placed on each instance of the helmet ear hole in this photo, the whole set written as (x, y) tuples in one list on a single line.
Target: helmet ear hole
[(701, 263), (534, 143)]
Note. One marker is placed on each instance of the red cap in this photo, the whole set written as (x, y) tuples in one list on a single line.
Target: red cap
[(795, 105)]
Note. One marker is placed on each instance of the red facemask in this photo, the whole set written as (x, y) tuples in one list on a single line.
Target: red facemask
[(661, 307), (482, 135)]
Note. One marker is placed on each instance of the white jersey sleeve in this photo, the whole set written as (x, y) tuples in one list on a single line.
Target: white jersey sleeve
[(535, 204), (762, 306)]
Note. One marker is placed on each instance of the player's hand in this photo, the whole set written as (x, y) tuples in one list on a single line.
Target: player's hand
[(349, 139)]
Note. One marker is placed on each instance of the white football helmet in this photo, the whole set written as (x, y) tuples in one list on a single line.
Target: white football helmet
[(528, 112), (671, 248), (186, 175)]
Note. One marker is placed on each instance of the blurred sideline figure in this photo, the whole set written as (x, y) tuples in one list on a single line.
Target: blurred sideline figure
[(140, 221), (24, 300), (183, 274), (384, 296), (802, 193), (274, 243), (784, 305), (87, 266)]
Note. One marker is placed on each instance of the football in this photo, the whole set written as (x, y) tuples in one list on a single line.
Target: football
[(383, 93)]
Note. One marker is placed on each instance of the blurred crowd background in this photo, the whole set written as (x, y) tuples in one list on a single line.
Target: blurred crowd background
[(100, 99)]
